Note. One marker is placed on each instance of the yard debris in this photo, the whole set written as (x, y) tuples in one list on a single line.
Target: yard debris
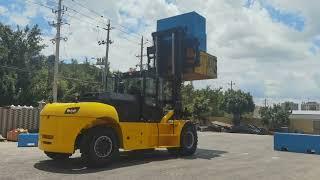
[(249, 129), (220, 126), (2, 138), (203, 128), (13, 134)]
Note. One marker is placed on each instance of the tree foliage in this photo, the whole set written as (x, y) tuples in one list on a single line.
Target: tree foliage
[(237, 103), (20, 49), (274, 117), (77, 79), (26, 75), (202, 103)]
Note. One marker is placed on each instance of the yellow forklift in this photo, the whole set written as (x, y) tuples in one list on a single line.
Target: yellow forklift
[(142, 110)]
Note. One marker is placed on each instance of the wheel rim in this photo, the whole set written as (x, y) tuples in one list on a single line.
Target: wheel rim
[(103, 146), (189, 139)]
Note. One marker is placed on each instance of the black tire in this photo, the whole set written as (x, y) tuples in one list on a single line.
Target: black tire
[(99, 146), (188, 141), (58, 156)]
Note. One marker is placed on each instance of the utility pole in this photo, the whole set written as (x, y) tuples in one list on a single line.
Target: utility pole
[(100, 62), (57, 54), (231, 84), (106, 63), (141, 55), (106, 60)]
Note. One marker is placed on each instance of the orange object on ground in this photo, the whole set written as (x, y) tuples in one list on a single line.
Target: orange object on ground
[(13, 134)]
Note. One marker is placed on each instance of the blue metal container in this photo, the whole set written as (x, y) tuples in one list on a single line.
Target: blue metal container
[(28, 140), (300, 143), (192, 22)]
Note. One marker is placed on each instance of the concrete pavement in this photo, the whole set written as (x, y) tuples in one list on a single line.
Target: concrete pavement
[(220, 156)]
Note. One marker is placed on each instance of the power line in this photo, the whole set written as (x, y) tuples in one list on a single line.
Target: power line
[(94, 25), (52, 1), (135, 34), (82, 14), (51, 8), (95, 20), (82, 20), (83, 6), (39, 4), (129, 40), (126, 32)]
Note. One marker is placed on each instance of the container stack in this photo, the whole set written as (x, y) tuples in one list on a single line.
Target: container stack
[(192, 22), (197, 63)]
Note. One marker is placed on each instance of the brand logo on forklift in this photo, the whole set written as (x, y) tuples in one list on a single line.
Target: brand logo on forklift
[(72, 110)]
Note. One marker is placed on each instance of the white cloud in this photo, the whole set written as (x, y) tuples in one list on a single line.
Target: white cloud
[(260, 55), (21, 20), (3, 10)]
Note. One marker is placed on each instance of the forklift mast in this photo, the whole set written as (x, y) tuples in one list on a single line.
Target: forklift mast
[(159, 86), (167, 59)]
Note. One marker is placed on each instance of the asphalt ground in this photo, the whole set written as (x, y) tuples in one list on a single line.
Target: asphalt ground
[(219, 156)]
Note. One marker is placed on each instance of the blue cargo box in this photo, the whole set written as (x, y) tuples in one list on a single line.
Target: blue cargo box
[(300, 143), (194, 24), (28, 140)]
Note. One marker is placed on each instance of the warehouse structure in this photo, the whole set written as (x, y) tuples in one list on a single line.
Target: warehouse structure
[(310, 106), (305, 122)]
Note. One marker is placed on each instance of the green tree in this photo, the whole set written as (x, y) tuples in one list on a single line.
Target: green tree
[(26, 76), (202, 103), (77, 79), (265, 115), (237, 103), (19, 58), (201, 107), (274, 117), (187, 94)]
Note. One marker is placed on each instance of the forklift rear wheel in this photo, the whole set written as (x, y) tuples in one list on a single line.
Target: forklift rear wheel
[(57, 156), (101, 147), (188, 142)]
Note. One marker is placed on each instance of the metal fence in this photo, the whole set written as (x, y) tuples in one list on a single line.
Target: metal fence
[(12, 118)]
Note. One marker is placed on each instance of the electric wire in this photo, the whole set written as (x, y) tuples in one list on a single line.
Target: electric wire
[(94, 21), (134, 34), (39, 4)]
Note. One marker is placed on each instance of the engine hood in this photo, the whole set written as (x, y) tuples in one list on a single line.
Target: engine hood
[(83, 109)]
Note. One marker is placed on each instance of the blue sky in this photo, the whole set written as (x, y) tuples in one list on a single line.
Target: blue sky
[(268, 47), (18, 7), (291, 19)]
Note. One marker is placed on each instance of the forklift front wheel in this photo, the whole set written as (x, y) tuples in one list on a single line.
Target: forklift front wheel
[(101, 147), (188, 142)]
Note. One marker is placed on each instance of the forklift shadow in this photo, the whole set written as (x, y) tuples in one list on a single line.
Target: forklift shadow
[(76, 166)]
